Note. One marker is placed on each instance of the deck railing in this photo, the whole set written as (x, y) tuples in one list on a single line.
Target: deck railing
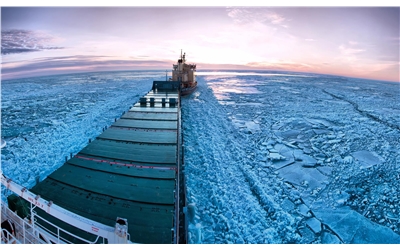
[(38, 233)]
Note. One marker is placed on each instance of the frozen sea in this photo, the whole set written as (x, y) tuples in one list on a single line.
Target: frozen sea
[(270, 157)]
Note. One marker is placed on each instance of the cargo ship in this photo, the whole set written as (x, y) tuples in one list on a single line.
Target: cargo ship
[(126, 186)]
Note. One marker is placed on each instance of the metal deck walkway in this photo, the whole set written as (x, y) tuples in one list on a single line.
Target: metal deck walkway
[(129, 171)]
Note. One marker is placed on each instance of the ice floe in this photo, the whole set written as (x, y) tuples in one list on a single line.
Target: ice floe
[(270, 157)]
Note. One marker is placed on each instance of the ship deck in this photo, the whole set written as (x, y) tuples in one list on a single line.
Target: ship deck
[(129, 171)]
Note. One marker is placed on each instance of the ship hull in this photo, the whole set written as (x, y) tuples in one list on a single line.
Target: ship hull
[(188, 91)]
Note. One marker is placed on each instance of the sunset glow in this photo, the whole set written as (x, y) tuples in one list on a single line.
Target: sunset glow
[(350, 41)]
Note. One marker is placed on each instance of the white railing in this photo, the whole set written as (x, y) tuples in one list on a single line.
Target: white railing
[(56, 237), (114, 235), (7, 238), (23, 231)]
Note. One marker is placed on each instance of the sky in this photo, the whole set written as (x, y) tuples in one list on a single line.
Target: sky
[(360, 41)]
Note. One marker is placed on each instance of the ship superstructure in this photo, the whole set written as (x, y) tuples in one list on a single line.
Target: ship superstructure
[(185, 74)]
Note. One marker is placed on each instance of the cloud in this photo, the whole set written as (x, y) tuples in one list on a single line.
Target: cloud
[(22, 41), (81, 63), (281, 65), (351, 49), (261, 15), (72, 64), (350, 52), (347, 51), (274, 18)]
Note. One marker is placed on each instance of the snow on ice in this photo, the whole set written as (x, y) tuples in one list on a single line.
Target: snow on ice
[(270, 157)]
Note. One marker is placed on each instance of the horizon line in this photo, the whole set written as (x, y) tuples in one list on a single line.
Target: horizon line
[(198, 70)]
